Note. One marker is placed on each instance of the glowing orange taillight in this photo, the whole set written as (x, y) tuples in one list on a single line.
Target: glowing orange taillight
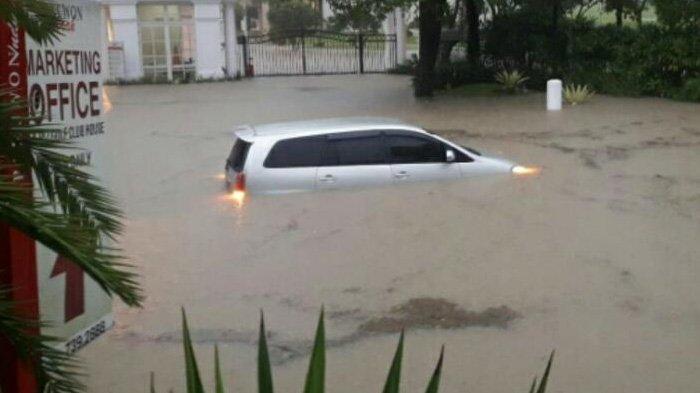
[(239, 185)]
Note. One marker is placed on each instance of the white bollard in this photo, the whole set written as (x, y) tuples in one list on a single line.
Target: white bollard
[(554, 92)]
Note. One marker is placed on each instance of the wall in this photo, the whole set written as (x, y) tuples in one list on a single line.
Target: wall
[(126, 30), (210, 37)]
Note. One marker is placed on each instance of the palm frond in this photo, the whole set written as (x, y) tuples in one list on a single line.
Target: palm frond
[(37, 17), (66, 236), (71, 214), (58, 370)]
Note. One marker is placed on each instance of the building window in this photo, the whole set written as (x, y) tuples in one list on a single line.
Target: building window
[(167, 41)]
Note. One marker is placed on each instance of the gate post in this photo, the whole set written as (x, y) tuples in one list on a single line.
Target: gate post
[(361, 44), (231, 44), (247, 67), (303, 51)]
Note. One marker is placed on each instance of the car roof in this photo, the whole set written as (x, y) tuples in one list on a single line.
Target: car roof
[(321, 126)]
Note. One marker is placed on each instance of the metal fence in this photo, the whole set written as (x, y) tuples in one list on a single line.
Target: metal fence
[(316, 52)]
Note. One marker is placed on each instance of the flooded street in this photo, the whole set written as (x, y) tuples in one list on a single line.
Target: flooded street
[(597, 257)]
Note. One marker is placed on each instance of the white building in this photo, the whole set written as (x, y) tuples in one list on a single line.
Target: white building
[(183, 40), (170, 40)]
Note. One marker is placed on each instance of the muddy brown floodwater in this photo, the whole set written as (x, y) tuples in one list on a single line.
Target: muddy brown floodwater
[(597, 257)]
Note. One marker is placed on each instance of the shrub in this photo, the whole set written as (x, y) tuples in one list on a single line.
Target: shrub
[(577, 94), (461, 73), (653, 59), (315, 377), (690, 91), (407, 68), (511, 81)]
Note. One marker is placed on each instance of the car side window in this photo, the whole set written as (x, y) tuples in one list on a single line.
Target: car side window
[(405, 148), (355, 148), (296, 153)]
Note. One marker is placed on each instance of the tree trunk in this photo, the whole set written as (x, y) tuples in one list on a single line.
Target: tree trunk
[(429, 26), (556, 16), (473, 39), (618, 16)]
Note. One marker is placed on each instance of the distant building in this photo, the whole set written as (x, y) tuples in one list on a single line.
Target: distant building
[(170, 40), (185, 40)]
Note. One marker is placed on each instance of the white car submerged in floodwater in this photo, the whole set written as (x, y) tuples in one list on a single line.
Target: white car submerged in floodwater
[(347, 152)]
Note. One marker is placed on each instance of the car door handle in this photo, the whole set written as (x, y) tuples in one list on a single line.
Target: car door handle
[(401, 175), (327, 178)]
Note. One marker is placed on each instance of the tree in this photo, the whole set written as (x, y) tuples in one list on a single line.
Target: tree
[(499, 7), (359, 15), (617, 6), (292, 15), (69, 212), (623, 8), (473, 11), (678, 13), (430, 14), (453, 26)]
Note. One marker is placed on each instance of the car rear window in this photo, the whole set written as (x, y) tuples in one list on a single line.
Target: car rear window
[(296, 153), (238, 155)]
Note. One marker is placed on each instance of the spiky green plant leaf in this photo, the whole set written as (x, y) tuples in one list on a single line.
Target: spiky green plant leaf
[(510, 80), (153, 382), (545, 377), (264, 369), (577, 94), (434, 383), (194, 381), (315, 378), (218, 380), (534, 385), (393, 380)]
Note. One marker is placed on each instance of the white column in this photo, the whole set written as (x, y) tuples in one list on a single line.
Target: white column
[(395, 24), (326, 11), (210, 52), (389, 27), (262, 18), (230, 39), (554, 94), (400, 27), (126, 31), (104, 53)]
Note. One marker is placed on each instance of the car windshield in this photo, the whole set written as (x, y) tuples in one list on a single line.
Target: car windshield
[(473, 151)]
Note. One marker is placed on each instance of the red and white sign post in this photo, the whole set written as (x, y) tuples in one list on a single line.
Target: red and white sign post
[(18, 269), (62, 83)]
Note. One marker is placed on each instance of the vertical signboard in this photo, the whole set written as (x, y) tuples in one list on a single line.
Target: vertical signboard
[(65, 88)]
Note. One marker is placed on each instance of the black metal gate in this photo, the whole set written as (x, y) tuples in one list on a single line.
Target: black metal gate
[(316, 52)]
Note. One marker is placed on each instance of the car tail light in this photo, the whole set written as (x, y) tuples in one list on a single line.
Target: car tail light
[(239, 185)]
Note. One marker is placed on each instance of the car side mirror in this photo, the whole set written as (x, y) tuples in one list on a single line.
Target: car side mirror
[(449, 155)]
